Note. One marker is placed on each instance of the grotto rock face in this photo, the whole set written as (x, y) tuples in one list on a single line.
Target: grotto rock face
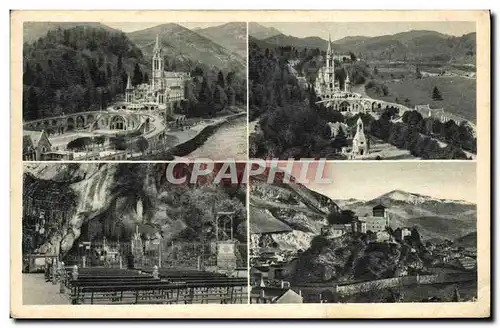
[(92, 187), (116, 198)]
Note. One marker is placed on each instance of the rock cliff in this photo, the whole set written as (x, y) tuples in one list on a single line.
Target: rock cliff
[(111, 200)]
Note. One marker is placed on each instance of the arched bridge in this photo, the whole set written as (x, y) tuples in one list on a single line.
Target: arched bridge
[(355, 103), (92, 120)]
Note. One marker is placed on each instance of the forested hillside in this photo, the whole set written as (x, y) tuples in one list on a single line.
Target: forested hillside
[(290, 123), (85, 67), (77, 69)]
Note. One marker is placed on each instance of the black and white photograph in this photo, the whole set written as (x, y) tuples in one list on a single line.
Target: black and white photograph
[(195, 159), (134, 91), (362, 90), (388, 232), (126, 233)]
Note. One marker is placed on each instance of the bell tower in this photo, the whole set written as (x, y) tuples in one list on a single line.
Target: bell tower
[(157, 70)]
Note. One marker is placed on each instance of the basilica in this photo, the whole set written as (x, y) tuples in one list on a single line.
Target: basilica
[(326, 85), (330, 93), (165, 89)]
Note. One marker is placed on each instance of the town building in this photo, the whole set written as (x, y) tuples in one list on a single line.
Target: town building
[(383, 236), (401, 233), (338, 230), (277, 295), (427, 112), (379, 221), (35, 145), (467, 263)]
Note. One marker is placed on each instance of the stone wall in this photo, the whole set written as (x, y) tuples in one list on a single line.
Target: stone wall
[(405, 281)]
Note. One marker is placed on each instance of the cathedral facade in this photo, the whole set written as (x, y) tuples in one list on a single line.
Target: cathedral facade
[(165, 88), (326, 85), (332, 95)]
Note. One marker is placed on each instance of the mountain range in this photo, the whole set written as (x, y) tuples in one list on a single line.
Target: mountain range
[(434, 218), (411, 45), (182, 43), (291, 215), (221, 46), (261, 32), (232, 36)]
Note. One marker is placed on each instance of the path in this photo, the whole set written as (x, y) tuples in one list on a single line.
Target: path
[(36, 291)]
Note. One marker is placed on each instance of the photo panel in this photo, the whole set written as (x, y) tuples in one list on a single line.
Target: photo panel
[(134, 91), (239, 164), (383, 232), (130, 233), (362, 90)]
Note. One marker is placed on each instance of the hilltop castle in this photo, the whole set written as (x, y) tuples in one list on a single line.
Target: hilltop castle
[(165, 87)]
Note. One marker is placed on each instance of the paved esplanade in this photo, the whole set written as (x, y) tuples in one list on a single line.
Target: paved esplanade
[(36, 291)]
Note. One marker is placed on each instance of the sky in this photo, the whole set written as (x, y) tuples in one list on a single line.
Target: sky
[(136, 26), (341, 30), (365, 181)]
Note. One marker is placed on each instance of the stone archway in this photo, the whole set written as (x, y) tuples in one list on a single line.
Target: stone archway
[(80, 121), (70, 124), (344, 106), (118, 123)]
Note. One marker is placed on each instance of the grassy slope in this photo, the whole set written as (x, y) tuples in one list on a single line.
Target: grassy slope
[(459, 94)]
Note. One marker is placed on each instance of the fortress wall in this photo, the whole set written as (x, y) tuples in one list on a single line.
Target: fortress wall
[(405, 281)]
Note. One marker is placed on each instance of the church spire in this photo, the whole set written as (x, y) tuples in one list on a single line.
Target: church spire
[(329, 44), (157, 43), (129, 83)]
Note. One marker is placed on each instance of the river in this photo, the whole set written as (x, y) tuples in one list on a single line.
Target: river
[(228, 142)]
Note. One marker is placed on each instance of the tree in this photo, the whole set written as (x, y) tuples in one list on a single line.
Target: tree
[(141, 144), (137, 76), (119, 63), (79, 143), (375, 70), (28, 75), (418, 74), (118, 142), (436, 95), (456, 295), (99, 140), (353, 56), (344, 217), (220, 80), (205, 98)]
